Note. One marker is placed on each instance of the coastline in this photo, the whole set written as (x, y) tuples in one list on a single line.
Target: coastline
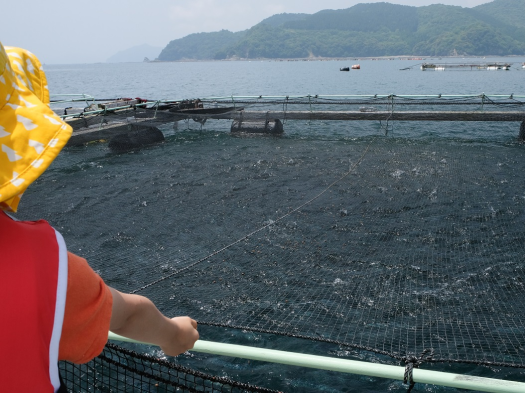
[(358, 58)]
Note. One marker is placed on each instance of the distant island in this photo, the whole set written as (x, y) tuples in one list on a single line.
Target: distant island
[(135, 54), (367, 30)]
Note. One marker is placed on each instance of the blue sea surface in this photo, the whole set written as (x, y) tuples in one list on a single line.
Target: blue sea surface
[(309, 142), (185, 80)]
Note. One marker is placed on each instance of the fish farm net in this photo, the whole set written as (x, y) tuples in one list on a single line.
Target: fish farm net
[(121, 370), (407, 247)]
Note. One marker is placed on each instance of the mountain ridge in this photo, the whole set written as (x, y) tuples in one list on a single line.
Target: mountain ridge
[(367, 30)]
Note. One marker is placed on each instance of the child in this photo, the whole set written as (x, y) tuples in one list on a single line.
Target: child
[(54, 306)]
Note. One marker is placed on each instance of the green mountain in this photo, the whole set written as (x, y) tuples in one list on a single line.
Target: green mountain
[(200, 46), (375, 29), (511, 12), (361, 17), (444, 30), (279, 19)]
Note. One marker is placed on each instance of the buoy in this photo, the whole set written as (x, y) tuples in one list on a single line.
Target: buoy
[(136, 138), (274, 127)]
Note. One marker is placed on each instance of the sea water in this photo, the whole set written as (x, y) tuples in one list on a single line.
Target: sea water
[(186, 80)]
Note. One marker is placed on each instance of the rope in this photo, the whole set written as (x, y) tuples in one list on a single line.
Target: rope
[(407, 379), (412, 362), (285, 108), (386, 127)]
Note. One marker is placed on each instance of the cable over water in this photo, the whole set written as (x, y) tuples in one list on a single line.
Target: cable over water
[(249, 235)]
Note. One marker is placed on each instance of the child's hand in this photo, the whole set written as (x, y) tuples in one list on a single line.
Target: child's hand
[(183, 336), (136, 317)]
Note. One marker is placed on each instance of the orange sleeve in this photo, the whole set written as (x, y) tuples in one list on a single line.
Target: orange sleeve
[(87, 314)]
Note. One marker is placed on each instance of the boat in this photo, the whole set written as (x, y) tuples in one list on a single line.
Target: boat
[(354, 67), (523, 65)]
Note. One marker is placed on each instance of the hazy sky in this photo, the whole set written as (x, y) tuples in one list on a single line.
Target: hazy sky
[(61, 32)]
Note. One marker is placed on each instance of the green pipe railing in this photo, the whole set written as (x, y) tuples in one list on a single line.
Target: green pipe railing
[(482, 95), (351, 366), (85, 97)]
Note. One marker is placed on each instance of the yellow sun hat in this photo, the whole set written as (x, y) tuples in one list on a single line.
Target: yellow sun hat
[(31, 134)]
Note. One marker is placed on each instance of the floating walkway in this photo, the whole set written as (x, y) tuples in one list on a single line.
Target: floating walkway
[(479, 108), (369, 115), (466, 66), (106, 120)]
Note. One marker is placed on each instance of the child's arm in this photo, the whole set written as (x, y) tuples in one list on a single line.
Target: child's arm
[(136, 317)]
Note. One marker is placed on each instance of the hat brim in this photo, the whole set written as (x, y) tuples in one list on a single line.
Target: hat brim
[(31, 137)]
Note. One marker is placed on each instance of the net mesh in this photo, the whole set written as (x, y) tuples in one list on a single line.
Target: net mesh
[(118, 369), (406, 244)]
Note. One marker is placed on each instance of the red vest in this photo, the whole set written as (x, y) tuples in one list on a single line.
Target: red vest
[(33, 285)]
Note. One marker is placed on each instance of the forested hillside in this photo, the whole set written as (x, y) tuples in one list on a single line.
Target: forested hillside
[(375, 29), (200, 45), (511, 12)]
